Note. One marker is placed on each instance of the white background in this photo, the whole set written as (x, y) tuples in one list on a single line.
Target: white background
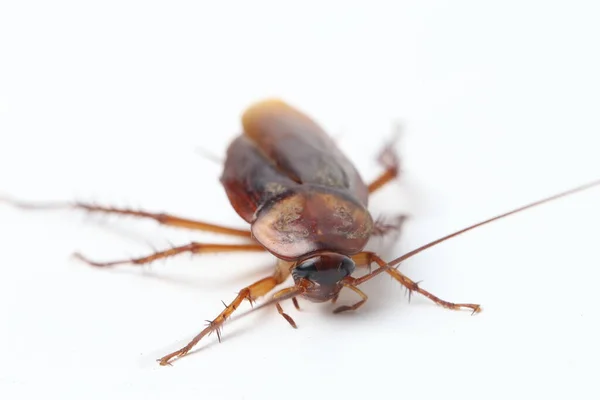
[(108, 102)]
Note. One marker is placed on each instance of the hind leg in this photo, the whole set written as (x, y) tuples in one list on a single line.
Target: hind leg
[(384, 226), (388, 158)]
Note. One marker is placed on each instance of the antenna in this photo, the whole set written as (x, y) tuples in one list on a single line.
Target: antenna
[(487, 221)]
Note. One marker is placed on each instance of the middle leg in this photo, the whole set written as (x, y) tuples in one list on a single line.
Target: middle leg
[(193, 248), (388, 158), (383, 226)]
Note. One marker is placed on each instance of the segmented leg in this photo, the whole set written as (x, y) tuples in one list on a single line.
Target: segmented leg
[(161, 218), (284, 292), (352, 283), (383, 226), (335, 298), (250, 293), (193, 248), (258, 289), (287, 317), (356, 305), (390, 161), (295, 301), (366, 258)]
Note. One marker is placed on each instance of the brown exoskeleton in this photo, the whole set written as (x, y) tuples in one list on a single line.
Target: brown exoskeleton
[(307, 205)]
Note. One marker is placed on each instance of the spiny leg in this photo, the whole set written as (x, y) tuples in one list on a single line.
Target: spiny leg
[(161, 218), (193, 248), (366, 258), (250, 293), (383, 226), (388, 158)]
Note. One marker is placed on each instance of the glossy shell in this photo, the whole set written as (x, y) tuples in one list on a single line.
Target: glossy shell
[(287, 178)]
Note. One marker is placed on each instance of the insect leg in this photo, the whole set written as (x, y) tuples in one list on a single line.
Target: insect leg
[(295, 301), (250, 293), (384, 226), (280, 310), (193, 248), (161, 218), (366, 258), (364, 297), (387, 158)]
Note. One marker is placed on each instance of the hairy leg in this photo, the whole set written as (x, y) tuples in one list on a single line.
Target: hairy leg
[(193, 248), (366, 258), (161, 218), (250, 293), (387, 158), (384, 226)]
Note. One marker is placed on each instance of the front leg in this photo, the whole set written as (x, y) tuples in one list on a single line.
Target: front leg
[(250, 293), (349, 283), (366, 258)]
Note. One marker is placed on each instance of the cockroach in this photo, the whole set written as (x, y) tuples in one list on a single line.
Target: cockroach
[(306, 205)]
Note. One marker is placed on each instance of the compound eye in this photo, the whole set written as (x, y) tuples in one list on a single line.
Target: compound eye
[(348, 266), (306, 270), (325, 269)]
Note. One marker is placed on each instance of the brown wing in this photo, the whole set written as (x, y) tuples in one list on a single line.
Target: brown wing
[(300, 148), (250, 179), (287, 178), (280, 149)]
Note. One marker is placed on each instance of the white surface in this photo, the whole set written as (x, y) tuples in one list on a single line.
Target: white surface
[(107, 101)]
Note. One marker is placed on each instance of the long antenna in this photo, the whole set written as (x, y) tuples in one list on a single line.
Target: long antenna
[(201, 151), (487, 221)]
